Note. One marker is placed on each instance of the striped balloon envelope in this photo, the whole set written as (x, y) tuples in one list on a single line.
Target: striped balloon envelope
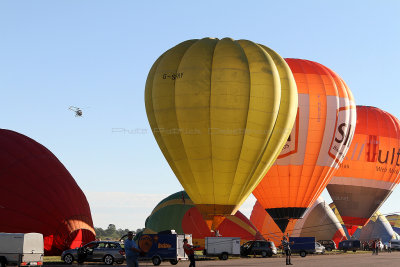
[(319, 140), (371, 169), (220, 111), (178, 212), (349, 230), (378, 227), (319, 221), (38, 194), (394, 220)]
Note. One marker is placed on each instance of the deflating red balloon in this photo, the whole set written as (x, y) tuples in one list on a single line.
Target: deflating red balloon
[(38, 194)]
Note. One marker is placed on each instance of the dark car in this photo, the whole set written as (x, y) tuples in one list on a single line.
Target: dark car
[(350, 245), (328, 244), (258, 247), (97, 251)]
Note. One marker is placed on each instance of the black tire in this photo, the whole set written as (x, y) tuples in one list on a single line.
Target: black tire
[(224, 256), (156, 260), (3, 263), (264, 254), (108, 260), (303, 254), (269, 254), (68, 259), (173, 262), (354, 250), (328, 249)]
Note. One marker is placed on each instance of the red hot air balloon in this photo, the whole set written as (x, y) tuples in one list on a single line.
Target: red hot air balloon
[(38, 194)]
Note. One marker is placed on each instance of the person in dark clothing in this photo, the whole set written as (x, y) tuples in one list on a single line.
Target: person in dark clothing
[(189, 250), (286, 248), (82, 254), (373, 247)]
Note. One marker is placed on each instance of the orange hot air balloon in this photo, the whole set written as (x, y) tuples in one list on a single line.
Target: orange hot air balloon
[(318, 142), (371, 169)]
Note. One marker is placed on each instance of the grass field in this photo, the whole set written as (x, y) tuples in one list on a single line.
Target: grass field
[(49, 259)]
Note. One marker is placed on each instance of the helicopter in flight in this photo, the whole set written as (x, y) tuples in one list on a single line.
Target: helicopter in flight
[(78, 111)]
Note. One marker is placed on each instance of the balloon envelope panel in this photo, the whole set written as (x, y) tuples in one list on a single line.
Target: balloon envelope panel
[(39, 195), (220, 111), (318, 142), (394, 220), (319, 221), (378, 227), (371, 169)]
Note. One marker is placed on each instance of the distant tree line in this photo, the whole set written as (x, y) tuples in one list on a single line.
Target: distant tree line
[(112, 233)]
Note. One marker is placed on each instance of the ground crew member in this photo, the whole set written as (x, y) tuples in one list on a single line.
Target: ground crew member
[(286, 248), (131, 251), (189, 250)]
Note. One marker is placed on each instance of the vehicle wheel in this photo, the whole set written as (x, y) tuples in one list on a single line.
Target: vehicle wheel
[(328, 249), (354, 250), (108, 259), (269, 254), (2, 263), (173, 262), (303, 254), (156, 260), (263, 253), (224, 256), (344, 250), (68, 259)]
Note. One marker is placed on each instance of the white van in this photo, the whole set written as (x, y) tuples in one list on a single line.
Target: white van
[(21, 249), (395, 244)]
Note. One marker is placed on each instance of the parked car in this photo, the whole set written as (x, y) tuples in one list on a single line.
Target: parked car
[(352, 245), (395, 244), (319, 248), (259, 247), (328, 244), (97, 251)]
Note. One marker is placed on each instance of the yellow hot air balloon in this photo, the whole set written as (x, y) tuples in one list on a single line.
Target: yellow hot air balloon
[(221, 111)]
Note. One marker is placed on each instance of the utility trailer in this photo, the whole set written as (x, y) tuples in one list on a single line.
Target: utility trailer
[(21, 249), (163, 247), (223, 247)]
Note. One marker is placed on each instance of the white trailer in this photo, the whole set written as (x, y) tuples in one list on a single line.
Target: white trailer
[(21, 249), (222, 247)]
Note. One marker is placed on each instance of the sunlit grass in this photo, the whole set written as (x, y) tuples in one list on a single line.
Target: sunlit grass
[(52, 259)]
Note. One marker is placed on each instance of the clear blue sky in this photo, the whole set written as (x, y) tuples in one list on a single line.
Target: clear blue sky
[(95, 54)]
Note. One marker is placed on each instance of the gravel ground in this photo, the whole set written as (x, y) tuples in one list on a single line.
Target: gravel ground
[(346, 259)]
